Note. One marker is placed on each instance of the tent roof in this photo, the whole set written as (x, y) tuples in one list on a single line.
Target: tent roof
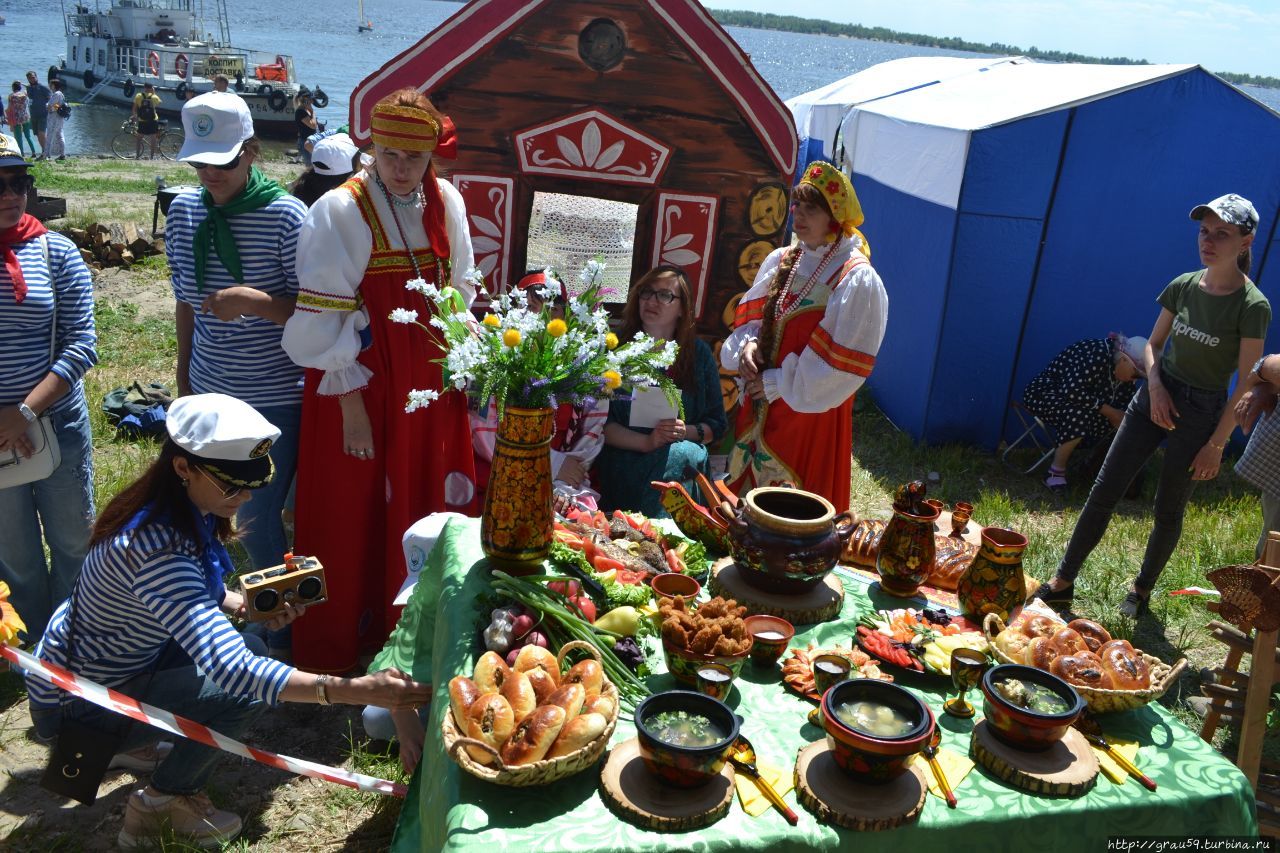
[(890, 78)]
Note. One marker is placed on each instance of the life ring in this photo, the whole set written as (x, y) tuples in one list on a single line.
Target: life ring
[(265, 90), (180, 65), (89, 78), (319, 99), (181, 91), (153, 63), (129, 88), (278, 100)]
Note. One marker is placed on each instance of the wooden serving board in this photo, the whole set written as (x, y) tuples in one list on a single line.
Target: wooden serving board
[(637, 796), (835, 797), (820, 603), (1067, 769)]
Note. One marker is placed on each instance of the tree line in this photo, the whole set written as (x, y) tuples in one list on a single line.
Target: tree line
[(795, 24)]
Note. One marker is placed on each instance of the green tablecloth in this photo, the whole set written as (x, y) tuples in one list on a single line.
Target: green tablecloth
[(1200, 793)]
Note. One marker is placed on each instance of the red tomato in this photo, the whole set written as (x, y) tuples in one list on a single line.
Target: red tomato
[(569, 538), (628, 576), (589, 549), (568, 589), (585, 606), (604, 564), (673, 561)]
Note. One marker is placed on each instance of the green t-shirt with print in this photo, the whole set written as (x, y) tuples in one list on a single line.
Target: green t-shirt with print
[(1204, 343)]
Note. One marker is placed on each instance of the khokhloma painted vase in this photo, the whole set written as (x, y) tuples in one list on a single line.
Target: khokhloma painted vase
[(907, 551), (994, 582), (516, 527)]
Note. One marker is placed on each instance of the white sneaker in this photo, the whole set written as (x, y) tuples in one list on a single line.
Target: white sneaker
[(192, 816)]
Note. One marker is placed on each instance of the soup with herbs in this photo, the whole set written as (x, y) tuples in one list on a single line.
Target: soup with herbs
[(684, 728), (874, 718), (1032, 696)]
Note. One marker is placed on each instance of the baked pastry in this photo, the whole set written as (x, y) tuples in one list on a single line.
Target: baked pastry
[(462, 692), (1110, 644), (570, 697), (1040, 653), (864, 542), (543, 684), (953, 556), (532, 739), (1082, 670), (1069, 642), (577, 733), (519, 693), (1013, 643), (1094, 634), (588, 673), (489, 720), (1127, 668), (601, 704), (491, 672), (1040, 626), (536, 657)]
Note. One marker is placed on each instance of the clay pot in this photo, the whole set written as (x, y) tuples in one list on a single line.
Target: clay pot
[(907, 551), (994, 582), (787, 540)]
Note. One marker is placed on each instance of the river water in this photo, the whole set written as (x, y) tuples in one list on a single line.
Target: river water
[(329, 53)]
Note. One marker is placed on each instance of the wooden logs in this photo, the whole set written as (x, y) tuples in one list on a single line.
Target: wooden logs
[(1067, 769), (834, 797), (637, 796), (821, 602)]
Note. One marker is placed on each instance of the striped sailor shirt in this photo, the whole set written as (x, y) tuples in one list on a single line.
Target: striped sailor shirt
[(25, 327), (242, 358), (138, 590)]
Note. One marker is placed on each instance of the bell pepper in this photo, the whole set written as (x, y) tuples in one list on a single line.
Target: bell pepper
[(620, 620)]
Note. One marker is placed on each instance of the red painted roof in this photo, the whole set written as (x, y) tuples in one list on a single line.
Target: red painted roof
[(481, 23)]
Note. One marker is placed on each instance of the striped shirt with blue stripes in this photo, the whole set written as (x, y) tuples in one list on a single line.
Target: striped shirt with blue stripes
[(136, 591), (25, 327), (242, 358)]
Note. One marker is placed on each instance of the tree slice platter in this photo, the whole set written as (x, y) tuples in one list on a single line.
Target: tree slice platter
[(637, 796), (833, 796), (819, 603), (1067, 769)]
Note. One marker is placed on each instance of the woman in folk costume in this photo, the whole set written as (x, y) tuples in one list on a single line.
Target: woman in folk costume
[(367, 469), (805, 339)]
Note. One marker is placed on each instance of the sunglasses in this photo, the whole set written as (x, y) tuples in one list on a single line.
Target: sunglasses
[(227, 494), (18, 185), (666, 297), (225, 167)]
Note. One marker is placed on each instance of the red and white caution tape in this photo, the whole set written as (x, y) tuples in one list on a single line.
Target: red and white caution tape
[(172, 723), (1195, 590)]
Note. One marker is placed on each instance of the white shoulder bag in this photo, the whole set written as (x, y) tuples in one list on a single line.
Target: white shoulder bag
[(16, 469)]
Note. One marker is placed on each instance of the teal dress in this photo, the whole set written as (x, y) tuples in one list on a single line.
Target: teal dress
[(623, 476)]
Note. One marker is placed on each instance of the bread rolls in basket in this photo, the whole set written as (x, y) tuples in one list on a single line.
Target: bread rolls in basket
[(1099, 700), (566, 732)]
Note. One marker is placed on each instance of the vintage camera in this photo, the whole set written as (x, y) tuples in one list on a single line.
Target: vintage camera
[(300, 580)]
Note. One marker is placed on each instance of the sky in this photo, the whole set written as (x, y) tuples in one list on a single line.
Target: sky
[(1223, 35)]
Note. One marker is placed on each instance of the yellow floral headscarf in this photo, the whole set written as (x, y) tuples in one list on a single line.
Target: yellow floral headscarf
[(10, 622), (843, 201)]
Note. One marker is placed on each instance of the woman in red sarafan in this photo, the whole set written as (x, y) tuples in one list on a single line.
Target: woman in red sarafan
[(367, 469), (805, 338)]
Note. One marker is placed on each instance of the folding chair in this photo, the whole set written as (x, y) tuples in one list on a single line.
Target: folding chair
[(1036, 431)]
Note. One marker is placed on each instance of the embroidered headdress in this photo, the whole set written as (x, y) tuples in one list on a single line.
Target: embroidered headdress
[(843, 201), (412, 129)]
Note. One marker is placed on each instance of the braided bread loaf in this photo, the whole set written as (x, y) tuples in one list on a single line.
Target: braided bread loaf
[(953, 555)]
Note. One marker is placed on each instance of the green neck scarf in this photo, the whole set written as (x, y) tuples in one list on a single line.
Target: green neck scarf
[(216, 228)]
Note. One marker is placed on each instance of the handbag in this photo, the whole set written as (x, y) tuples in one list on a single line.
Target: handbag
[(16, 469), (64, 110)]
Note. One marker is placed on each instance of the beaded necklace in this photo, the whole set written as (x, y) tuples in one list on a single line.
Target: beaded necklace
[(789, 300), (395, 216)]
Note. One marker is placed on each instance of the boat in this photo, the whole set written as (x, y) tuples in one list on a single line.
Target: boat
[(111, 54), (363, 24)]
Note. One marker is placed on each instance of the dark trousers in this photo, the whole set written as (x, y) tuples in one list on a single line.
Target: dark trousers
[(1135, 442)]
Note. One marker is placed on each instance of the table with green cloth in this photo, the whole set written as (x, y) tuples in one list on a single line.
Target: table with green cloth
[(1200, 792)]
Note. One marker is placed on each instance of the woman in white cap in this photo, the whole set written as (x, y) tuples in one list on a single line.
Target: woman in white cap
[(1211, 325), (332, 162), (149, 617), (231, 247), (367, 470), (47, 343), (1082, 394)]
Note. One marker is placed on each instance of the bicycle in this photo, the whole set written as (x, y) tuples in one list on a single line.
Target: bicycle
[(125, 143)]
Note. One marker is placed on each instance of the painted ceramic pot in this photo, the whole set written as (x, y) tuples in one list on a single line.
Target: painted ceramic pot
[(683, 664), (866, 757), (769, 637), (787, 540), (1020, 727), (907, 551), (994, 582), (516, 526), (685, 766)]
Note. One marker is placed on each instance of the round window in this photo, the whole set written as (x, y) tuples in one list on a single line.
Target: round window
[(601, 44)]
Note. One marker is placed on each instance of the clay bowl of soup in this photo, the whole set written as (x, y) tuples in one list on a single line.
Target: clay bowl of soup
[(874, 727), (685, 737), (1029, 708)]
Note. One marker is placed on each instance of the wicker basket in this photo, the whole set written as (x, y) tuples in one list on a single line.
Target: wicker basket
[(1102, 701), (539, 772)]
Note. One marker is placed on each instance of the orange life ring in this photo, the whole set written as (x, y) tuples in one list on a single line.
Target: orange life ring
[(153, 63), (180, 65)]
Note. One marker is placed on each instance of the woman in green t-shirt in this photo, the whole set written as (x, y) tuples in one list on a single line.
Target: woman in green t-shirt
[(1213, 322)]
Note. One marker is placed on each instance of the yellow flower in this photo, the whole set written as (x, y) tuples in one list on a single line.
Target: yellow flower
[(612, 379), (10, 622), (492, 321), (511, 337), (611, 341), (556, 328)]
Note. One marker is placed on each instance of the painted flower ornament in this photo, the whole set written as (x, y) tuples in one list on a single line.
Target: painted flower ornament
[(846, 210)]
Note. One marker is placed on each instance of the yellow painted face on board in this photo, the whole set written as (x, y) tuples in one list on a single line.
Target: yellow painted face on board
[(751, 258), (768, 209)]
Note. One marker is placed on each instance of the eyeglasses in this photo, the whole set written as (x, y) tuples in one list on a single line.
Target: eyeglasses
[(227, 494), (666, 297), (17, 185), (225, 167)]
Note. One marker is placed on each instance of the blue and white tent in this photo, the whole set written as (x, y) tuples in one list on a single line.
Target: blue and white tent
[(1016, 207)]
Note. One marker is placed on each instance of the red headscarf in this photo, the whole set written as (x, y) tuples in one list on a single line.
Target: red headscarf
[(28, 228)]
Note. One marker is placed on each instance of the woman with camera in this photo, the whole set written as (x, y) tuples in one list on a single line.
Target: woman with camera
[(149, 618)]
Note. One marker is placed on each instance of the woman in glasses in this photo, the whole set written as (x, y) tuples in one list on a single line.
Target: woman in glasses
[(805, 339), (231, 247), (660, 304), (47, 342), (149, 618)]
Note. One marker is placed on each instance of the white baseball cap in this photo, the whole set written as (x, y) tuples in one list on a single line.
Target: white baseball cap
[(216, 124), (230, 438), (333, 154)]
